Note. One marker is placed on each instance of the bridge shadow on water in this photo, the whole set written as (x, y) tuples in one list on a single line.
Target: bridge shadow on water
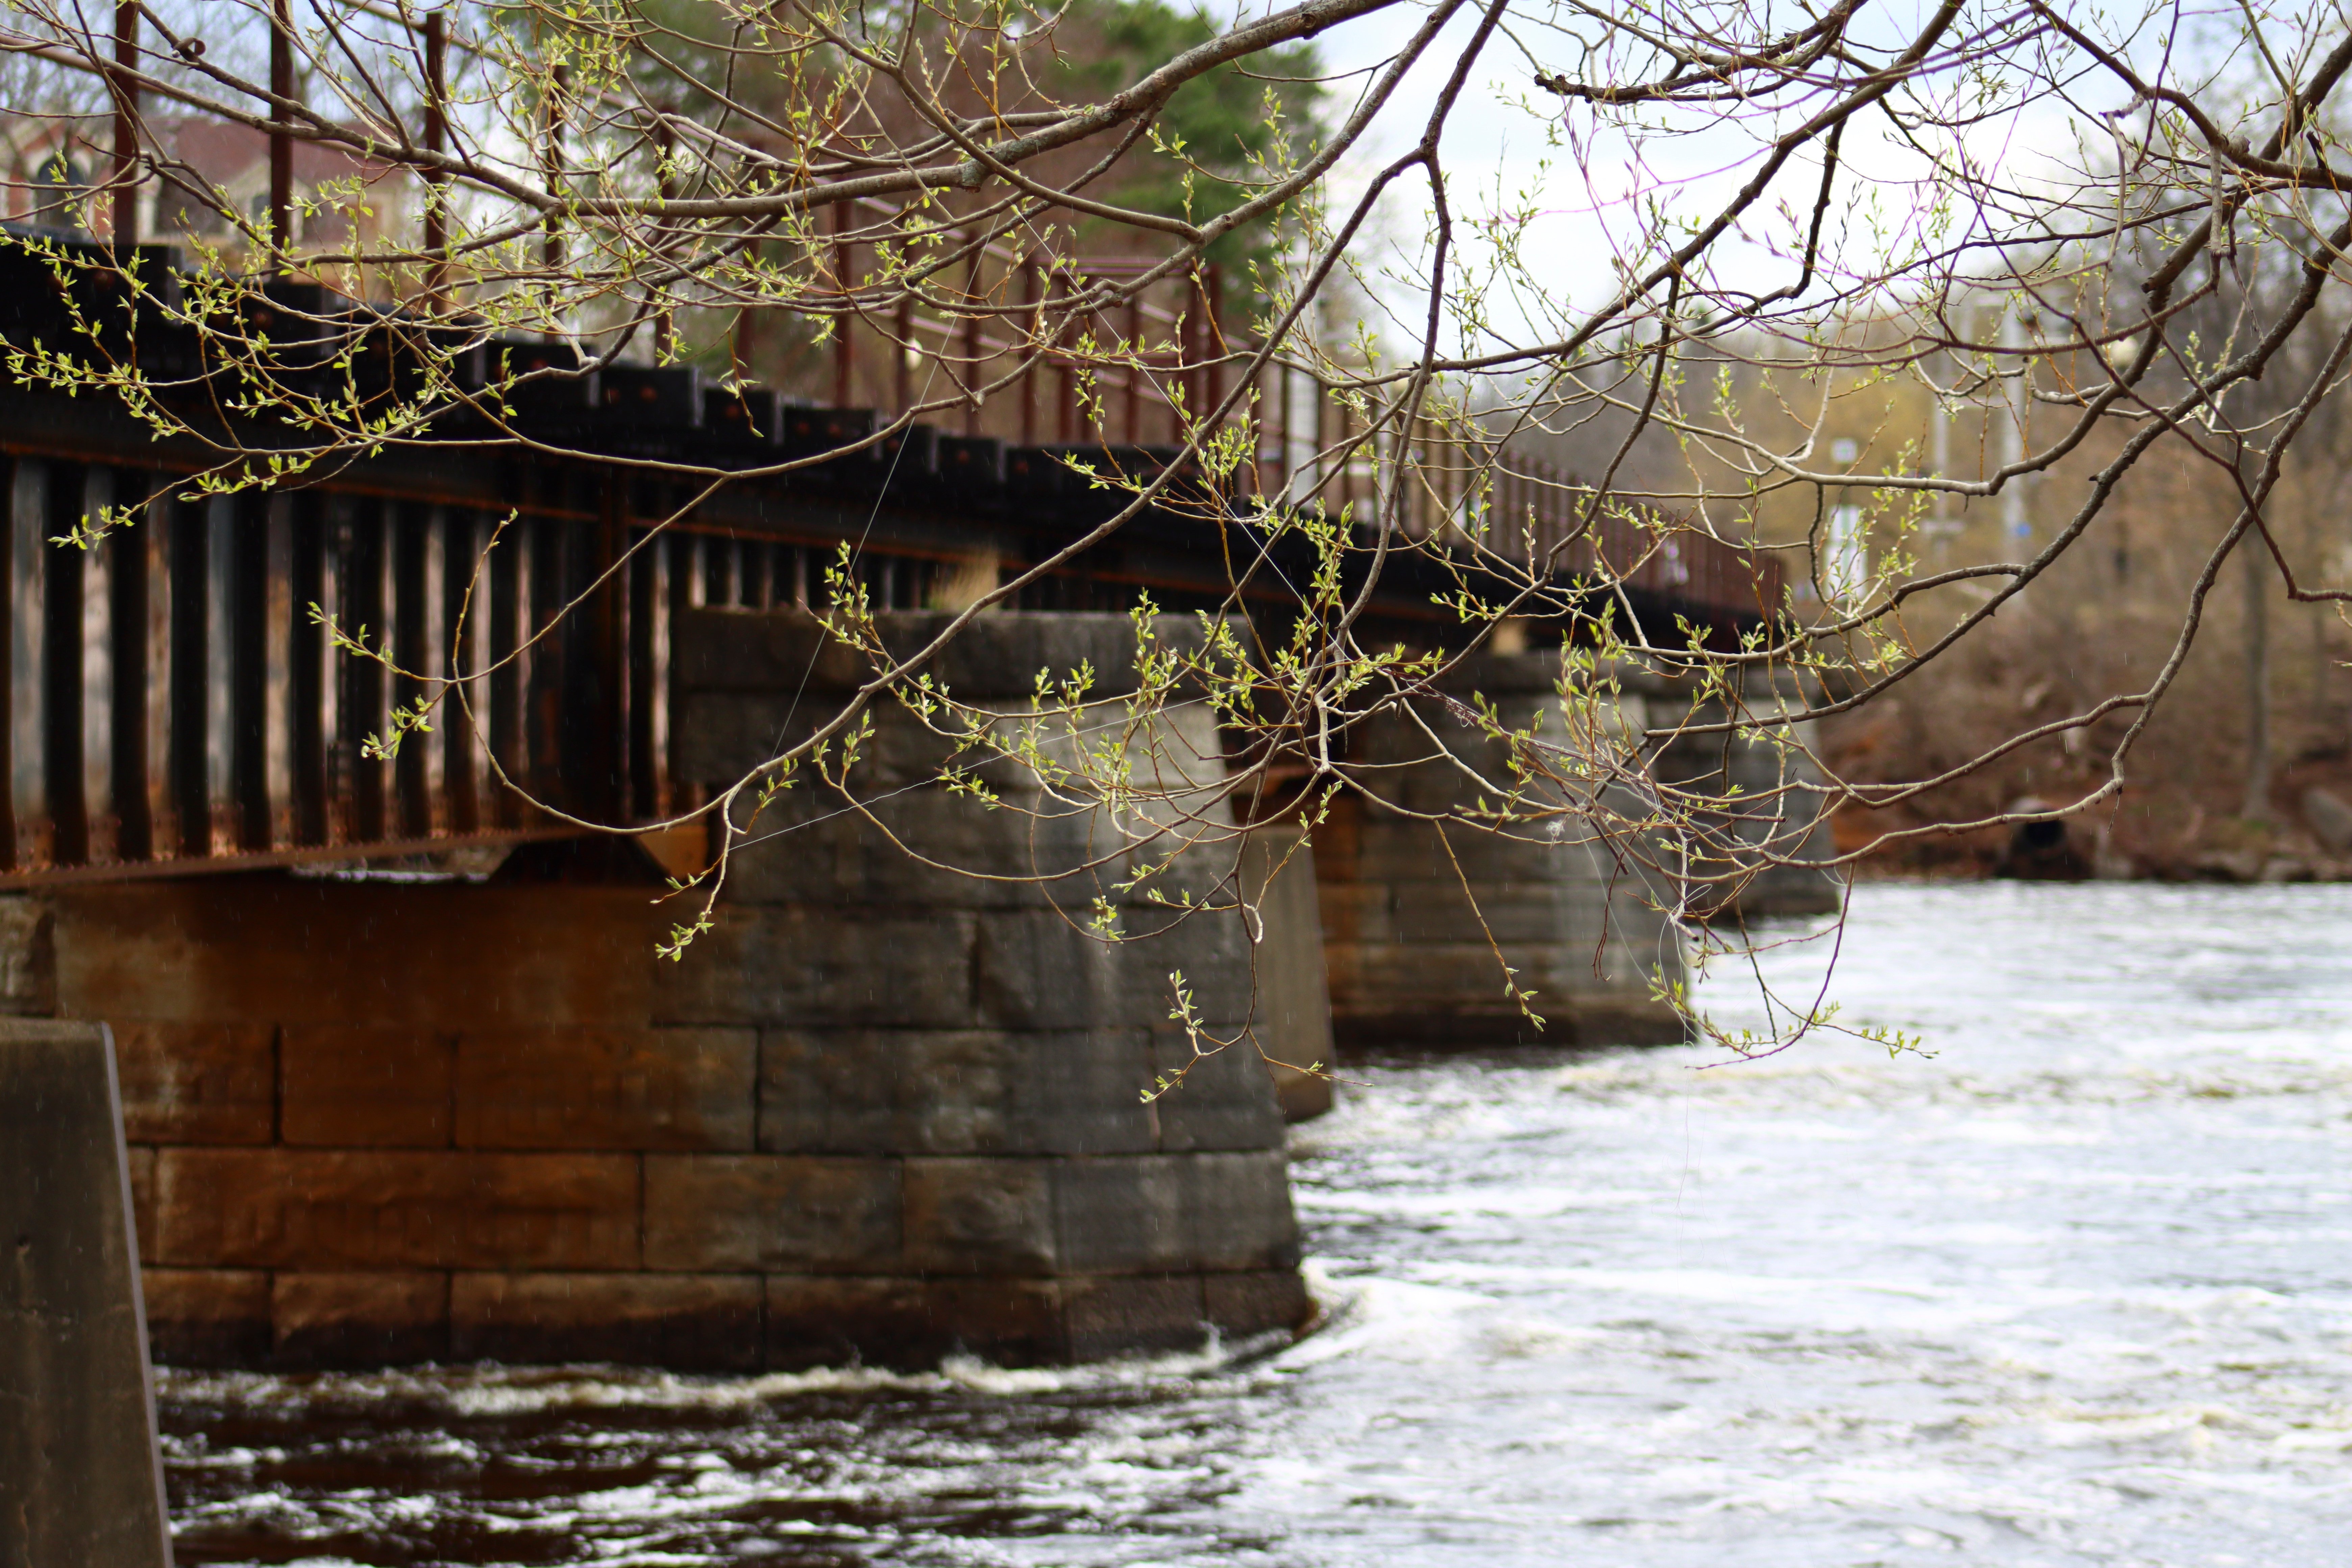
[(598, 1464)]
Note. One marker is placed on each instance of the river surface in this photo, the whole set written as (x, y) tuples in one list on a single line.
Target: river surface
[(2076, 1289)]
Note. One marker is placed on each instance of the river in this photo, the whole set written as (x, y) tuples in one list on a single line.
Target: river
[(2074, 1289)]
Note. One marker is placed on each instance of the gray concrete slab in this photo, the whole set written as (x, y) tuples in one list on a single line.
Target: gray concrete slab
[(81, 1483)]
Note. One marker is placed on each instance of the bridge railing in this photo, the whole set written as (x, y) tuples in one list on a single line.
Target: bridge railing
[(1142, 371)]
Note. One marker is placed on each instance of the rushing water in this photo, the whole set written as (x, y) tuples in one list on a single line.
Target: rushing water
[(2076, 1289)]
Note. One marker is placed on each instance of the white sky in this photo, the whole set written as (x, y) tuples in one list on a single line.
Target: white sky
[(1499, 137)]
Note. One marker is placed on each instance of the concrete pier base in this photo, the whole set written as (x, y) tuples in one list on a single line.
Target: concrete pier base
[(80, 1480)]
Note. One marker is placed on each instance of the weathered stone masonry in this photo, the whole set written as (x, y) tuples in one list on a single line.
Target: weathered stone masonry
[(977, 1021)]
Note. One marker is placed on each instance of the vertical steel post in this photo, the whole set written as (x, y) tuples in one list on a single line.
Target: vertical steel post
[(902, 357), (274, 601), (28, 534), (971, 344), (158, 693), (125, 205), (433, 615), (844, 364), (551, 244), (100, 823), (436, 141), (1135, 369), (281, 141), (1033, 295), (648, 709), (462, 610)]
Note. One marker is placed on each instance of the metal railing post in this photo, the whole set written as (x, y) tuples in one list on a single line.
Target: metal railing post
[(125, 204), (281, 139), (844, 361), (436, 141)]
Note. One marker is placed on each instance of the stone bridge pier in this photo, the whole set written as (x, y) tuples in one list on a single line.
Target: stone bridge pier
[(881, 1111), (1417, 927), (891, 1107)]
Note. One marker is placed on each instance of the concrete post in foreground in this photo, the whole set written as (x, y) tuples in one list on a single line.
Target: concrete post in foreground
[(80, 1482)]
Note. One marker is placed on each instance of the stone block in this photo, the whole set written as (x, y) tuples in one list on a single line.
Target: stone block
[(1226, 1100), (1614, 1021), (29, 958), (1243, 1305), (894, 1092), (726, 649), (207, 1317), (1463, 973), (1040, 970), (1175, 868), (1237, 1212), (1210, 948), (722, 736), (1080, 1092), (1123, 1215), (1114, 1317), (913, 1323), (811, 968), (980, 1216), (197, 1083), (1561, 914), (2329, 817), (687, 1322), (334, 1210), (359, 1085), (359, 1320), (885, 1091), (612, 1086), (309, 951), (930, 849), (1373, 1006), (80, 1478), (802, 1214), (1354, 911), (1396, 849)]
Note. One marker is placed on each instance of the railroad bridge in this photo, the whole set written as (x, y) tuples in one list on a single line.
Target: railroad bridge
[(403, 1077)]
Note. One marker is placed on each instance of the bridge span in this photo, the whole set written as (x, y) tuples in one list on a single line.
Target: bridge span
[(403, 1078)]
